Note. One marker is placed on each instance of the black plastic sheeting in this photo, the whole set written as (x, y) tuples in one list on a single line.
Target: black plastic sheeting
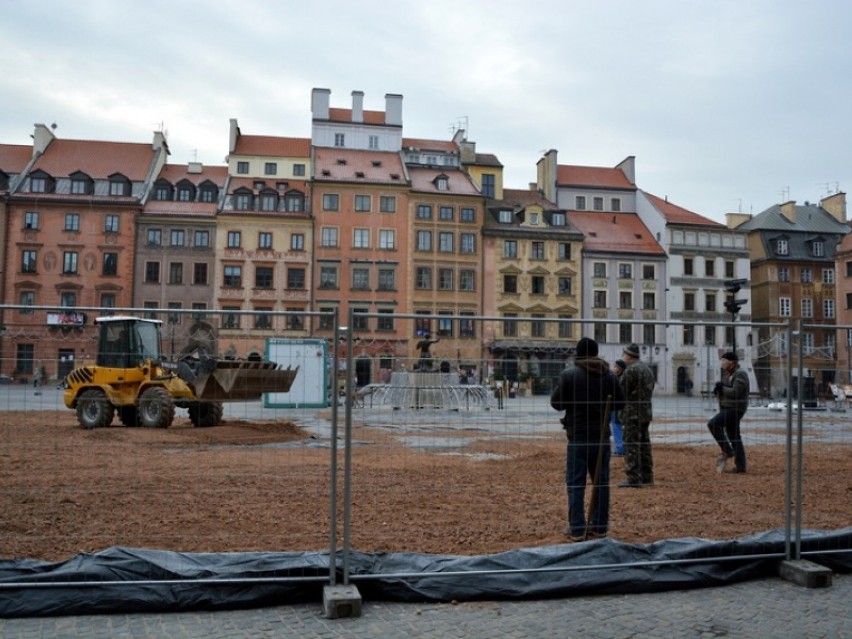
[(125, 580)]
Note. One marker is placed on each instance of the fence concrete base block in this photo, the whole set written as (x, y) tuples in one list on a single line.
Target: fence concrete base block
[(805, 573), (341, 601)]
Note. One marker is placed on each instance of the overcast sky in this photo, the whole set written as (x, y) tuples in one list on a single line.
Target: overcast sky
[(729, 105)]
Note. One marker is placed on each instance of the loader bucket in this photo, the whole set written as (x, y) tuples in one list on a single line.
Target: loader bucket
[(242, 381)]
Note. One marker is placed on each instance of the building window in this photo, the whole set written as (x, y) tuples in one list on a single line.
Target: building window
[(262, 318), (387, 279), (424, 212), (597, 203), (689, 302), (328, 236), (118, 187), (710, 302), (242, 167), (199, 273), (424, 240), (152, 272), (326, 321), (537, 326), (784, 306), (510, 326), (467, 243), (38, 185), (537, 283), (361, 238), (446, 213), (615, 204), (155, 237), (648, 334), (625, 271), (242, 201), (709, 267), (536, 250), (625, 299), (387, 239), (201, 239), (442, 184), (558, 219), (328, 277), (363, 203), (688, 266), (360, 320), (111, 224), (330, 202), (510, 249), (299, 170), (110, 265), (384, 322), (296, 279), (649, 301), (339, 139), (580, 202), (27, 298), (488, 184), (176, 238), (828, 309), (387, 204), (563, 251), (72, 222), (423, 278), (360, 279), (233, 277), (445, 279), (783, 274), (373, 142), (446, 242), (599, 269), (467, 327), (208, 194), (264, 240), (828, 276), (625, 333), (807, 307), (297, 242), (68, 299), (268, 202), (263, 277), (29, 259), (565, 286), (649, 272), (688, 335), (467, 280), (805, 275), (69, 262), (564, 327), (818, 249), (729, 269), (270, 168), (294, 202), (781, 247), (510, 283), (600, 333), (229, 318), (31, 221), (467, 214), (445, 324), (235, 239), (176, 273), (505, 216)]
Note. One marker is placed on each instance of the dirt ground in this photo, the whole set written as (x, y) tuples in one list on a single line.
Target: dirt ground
[(264, 486)]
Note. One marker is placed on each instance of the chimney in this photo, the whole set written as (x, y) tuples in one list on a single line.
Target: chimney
[(41, 138), (358, 106), (194, 167), (319, 103), (393, 109), (628, 167), (733, 220), (160, 142), (233, 136), (835, 205), (788, 210), (467, 150)]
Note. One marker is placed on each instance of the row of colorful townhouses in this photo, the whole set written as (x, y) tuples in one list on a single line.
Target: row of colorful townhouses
[(414, 236)]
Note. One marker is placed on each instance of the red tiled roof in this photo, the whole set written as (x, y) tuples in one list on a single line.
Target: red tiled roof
[(345, 115), (459, 182), (447, 146), (174, 173), (526, 197), (675, 214), (358, 166), (14, 157), (96, 159), (271, 146), (615, 232), (592, 176)]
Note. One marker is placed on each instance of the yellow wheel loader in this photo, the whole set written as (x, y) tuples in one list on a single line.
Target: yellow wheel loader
[(133, 378)]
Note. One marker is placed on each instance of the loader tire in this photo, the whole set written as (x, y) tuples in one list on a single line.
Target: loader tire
[(129, 415), (94, 409), (204, 414), (156, 408)]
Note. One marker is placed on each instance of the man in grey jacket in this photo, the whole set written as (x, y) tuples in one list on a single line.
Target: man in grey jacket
[(732, 391)]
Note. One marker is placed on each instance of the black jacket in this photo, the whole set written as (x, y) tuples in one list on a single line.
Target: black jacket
[(582, 392)]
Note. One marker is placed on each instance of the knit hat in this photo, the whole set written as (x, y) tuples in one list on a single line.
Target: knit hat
[(632, 350), (731, 356), (619, 363), (586, 347)]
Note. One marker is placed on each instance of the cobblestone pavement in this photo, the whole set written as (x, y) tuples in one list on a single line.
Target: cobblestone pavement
[(759, 608)]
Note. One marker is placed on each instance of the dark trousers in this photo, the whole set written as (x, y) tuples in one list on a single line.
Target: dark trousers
[(582, 460), (725, 428), (638, 460)]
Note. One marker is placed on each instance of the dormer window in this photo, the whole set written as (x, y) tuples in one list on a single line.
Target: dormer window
[(442, 183), (326, 172), (818, 248), (41, 182), (558, 219), (377, 163), (339, 139), (119, 185), (359, 174), (341, 161), (782, 247), (394, 176), (185, 191), (505, 216), (81, 184), (208, 192), (259, 184), (162, 191), (533, 219)]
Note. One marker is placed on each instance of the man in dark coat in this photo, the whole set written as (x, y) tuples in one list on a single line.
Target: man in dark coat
[(637, 382), (584, 392), (732, 391)]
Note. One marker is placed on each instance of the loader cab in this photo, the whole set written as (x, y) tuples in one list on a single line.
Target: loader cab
[(126, 342)]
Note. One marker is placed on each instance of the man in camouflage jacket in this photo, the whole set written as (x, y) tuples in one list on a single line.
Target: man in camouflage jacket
[(637, 382)]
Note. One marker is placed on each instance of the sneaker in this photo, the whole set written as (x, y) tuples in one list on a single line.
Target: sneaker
[(722, 461)]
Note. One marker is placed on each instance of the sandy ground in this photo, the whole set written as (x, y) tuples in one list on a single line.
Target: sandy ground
[(265, 485)]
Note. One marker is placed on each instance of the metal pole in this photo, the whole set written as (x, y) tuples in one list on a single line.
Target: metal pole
[(347, 451), (332, 498), (799, 451), (788, 477)]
